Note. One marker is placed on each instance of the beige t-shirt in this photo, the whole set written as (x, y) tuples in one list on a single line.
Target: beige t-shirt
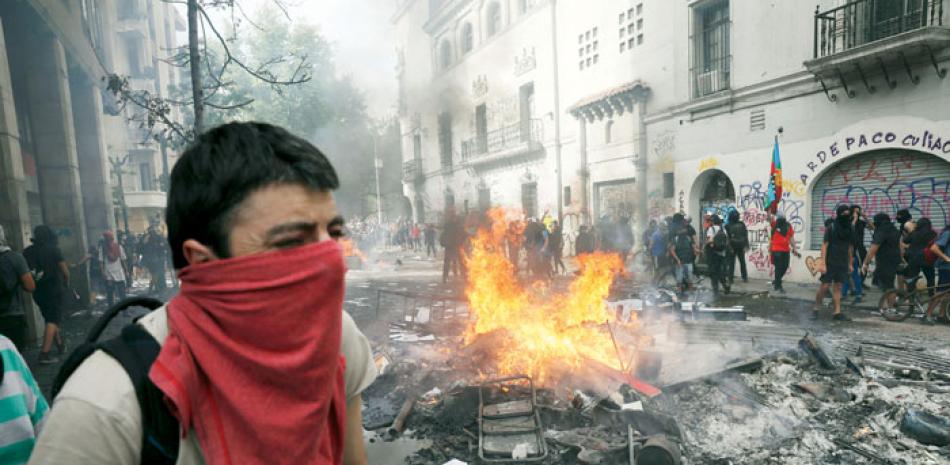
[(96, 418)]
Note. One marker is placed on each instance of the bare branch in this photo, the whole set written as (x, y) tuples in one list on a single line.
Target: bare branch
[(262, 75), (283, 8), (229, 107)]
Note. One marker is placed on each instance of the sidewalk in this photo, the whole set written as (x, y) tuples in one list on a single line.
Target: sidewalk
[(806, 292)]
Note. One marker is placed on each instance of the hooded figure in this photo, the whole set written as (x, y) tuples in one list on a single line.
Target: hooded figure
[(4, 246)]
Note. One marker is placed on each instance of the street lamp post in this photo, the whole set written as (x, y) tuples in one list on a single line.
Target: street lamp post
[(378, 164), (117, 165)]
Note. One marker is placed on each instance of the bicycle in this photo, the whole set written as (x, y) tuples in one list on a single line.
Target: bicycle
[(912, 302)]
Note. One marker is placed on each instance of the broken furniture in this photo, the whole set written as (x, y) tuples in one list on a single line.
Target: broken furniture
[(509, 424)]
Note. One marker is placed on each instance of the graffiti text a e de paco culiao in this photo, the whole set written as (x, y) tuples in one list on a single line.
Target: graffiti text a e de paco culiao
[(927, 141)]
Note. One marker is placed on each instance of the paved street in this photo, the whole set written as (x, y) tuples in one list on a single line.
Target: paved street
[(417, 274)]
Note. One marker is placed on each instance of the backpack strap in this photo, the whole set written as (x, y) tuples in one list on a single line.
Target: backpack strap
[(135, 349)]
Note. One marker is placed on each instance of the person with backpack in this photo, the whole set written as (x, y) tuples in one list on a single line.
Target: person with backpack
[(941, 250), (717, 254), (112, 262), (254, 362), (836, 261), (22, 406), (683, 250), (14, 276), (739, 244), (52, 282), (855, 285), (919, 240), (659, 253), (885, 252), (781, 246)]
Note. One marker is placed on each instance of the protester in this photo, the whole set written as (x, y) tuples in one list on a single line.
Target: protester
[(154, 249), (14, 276), (717, 249), (646, 239), (258, 364), (885, 252), (624, 238), (451, 239), (415, 235), (855, 283), (739, 244), (430, 233), (556, 248), (52, 282), (112, 261), (683, 250), (835, 263), (22, 406), (920, 237), (659, 253), (781, 246), (941, 248), (584, 243)]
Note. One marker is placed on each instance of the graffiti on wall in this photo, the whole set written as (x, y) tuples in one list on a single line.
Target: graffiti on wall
[(888, 185), (925, 141), (708, 163), (812, 264)]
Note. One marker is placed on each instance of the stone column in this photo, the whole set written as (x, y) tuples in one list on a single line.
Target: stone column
[(14, 212), (51, 117), (93, 158)]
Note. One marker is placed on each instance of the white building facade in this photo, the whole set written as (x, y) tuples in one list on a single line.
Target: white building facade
[(674, 105)]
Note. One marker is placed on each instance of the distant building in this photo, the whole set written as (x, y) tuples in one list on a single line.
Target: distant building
[(673, 105)]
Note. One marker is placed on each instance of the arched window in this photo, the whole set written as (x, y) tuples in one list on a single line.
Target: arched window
[(522, 7), (608, 132), (493, 19), (468, 38), (445, 54)]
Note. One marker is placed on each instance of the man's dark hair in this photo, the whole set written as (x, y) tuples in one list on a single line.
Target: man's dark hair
[(903, 215), (223, 167)]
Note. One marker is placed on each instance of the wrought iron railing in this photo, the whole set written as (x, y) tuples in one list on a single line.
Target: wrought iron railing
[(412, 171), (520, 134), (863, 21)]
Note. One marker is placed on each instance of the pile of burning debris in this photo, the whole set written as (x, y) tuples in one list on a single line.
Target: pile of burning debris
[(788, 407), (529, 372)]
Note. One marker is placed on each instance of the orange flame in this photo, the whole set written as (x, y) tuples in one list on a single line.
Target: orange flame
[(538, 328), (351, 250)]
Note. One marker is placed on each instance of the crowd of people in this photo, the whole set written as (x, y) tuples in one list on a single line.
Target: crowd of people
[(901, 253)]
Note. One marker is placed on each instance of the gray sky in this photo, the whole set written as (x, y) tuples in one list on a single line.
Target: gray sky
[(363, 41)]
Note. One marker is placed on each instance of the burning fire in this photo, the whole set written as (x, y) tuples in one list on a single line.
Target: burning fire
[(536, 329), (351, 250)]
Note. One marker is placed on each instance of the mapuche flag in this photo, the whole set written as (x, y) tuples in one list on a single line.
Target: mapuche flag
[(775, 181)]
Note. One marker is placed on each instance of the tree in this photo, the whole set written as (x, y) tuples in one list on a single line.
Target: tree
[(209, 57)]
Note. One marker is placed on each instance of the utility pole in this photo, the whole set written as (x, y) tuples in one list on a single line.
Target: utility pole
[(557, 116), (194, 59), (117, 165), (379, 195), (166, 181)]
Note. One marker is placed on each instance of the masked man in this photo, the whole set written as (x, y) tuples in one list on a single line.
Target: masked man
[(258, 362)]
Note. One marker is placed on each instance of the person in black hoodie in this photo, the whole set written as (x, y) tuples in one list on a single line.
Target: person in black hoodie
[(885, 251), (47, 262), (919, 238), (836, 261)]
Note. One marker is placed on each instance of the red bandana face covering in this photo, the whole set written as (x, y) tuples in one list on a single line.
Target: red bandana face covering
[(252, 360)]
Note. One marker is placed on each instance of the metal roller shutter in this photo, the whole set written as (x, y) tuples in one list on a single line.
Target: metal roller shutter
[(883, 181)]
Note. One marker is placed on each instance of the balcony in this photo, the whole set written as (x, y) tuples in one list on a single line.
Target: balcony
[(145, 199), (412, 172), (512, 141), (877, 37)]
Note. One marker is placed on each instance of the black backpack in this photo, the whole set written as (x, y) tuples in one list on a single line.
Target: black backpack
[(8, 278), (135, 349), (720, 242), (738, 235)]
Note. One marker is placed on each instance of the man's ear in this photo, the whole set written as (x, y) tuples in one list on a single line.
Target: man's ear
[(196, 252)]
